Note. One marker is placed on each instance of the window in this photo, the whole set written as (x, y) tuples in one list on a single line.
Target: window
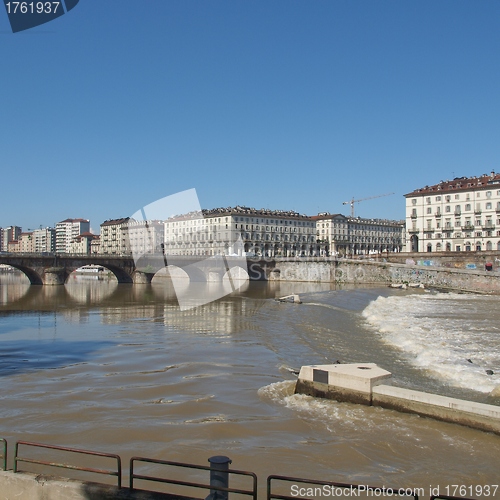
[(448, 197), (414, 201), (467, 207), (488, 206), (488, 194), (447, 208), (429, 210), (457, 197), (428, 200)]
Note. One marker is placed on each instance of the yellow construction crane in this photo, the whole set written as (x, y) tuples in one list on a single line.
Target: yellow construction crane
[(353, 201)]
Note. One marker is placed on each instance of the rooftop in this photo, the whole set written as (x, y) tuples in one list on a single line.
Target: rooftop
[(458, 184)]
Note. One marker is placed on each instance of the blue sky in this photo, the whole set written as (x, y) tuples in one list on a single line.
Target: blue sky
[(292, 105)]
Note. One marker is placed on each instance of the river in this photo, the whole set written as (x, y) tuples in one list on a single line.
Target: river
[(119, 368)]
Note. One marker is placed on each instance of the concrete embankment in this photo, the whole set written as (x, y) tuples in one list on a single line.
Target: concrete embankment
[(347, 271), (28, 486), (368, 384)]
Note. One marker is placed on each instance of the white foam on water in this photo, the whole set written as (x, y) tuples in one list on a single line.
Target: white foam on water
[(332, 414), (441, 333)]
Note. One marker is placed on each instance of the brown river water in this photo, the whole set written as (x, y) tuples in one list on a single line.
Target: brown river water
[(120, 369)]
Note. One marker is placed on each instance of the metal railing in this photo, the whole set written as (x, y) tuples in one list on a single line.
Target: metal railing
[(250, 492), (331, 488), (117, 472), (274, 490), (4, 453)]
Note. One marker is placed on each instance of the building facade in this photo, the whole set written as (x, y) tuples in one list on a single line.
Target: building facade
[(82, 244), (9, 234), (144, 237), (67, 230), (241, 231), (113, 238), (461, 215), (338, 235), (26, 243), (44, 240)]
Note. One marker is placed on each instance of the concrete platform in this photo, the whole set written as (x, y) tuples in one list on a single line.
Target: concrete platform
[(469, 413), (349, 382), (368, 384)]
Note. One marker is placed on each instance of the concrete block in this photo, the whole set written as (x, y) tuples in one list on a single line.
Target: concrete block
[(342, 382), (477, 415)]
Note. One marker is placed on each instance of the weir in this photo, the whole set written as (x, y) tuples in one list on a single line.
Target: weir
[(366, 383)]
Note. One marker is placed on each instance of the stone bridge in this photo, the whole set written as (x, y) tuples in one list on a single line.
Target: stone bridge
[(54, 269)]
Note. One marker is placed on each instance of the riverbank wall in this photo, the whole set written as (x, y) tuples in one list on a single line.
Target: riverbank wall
[(347, 271)]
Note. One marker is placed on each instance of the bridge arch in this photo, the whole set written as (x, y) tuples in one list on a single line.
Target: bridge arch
[(33, 276), (236, 275)]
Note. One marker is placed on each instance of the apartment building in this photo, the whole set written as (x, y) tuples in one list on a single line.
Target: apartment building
[(455, 216), (44, 240), (9, 234), (144, 236), (261, 232), (26, 243), (114, 239), (337, 234), (67, 230), (82, 244)]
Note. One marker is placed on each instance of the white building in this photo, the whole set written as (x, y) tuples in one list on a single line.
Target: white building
[(44, 240), (337, 234), (144, 237), (458, 215), (67, 230), (263, 233)]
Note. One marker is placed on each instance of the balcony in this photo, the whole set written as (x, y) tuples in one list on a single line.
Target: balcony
[(468, 227), (414, 230), (488, 227), (413, 216), (437, 214)]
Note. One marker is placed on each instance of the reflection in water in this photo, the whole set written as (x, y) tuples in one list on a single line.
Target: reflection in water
[(120, 368)]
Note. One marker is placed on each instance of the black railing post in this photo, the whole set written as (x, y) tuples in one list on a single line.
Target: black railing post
[(219, 476)]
